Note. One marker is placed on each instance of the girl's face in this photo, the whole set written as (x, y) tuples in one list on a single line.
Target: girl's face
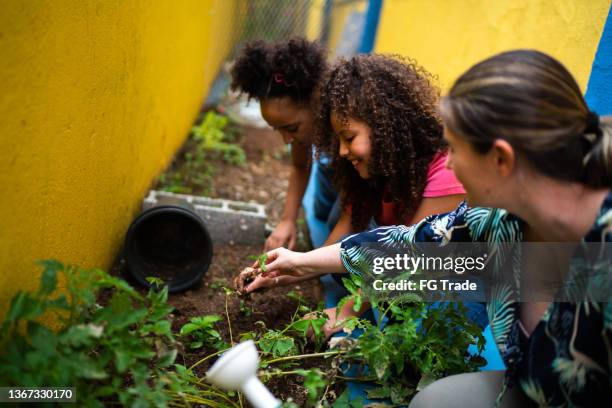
[(488, 178), (355, 142), (293, 121)]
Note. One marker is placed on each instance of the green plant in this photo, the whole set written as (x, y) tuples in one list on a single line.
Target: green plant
[(201, 330), (421, 343), (261, 260), (244, 309), (211, 135), (122, 351)]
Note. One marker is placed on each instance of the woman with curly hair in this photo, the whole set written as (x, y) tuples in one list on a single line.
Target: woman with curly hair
[(283, 77)]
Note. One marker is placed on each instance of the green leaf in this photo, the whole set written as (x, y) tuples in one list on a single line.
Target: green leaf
[(196, 344), (313, 381), (167, 359), (188, 328), (25, 307), (262, 261), (48, 278), (282, 346), (123, 359), (358, 302)]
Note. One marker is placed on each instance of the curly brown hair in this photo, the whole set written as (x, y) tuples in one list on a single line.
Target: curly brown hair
[(396, 98), (290, 68)]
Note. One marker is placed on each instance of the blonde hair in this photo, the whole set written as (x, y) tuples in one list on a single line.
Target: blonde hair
[(532, 101)]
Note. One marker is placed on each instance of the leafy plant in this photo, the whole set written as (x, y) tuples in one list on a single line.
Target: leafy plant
[(194, 168), (122, 351), (244, 309), (211, 136), (421, 343), (201, 330)]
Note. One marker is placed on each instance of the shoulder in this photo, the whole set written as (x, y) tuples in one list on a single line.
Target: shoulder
[(493, 225), (440, 180)]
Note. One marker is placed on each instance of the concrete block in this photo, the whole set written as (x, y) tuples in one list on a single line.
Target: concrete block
[(227, 221)]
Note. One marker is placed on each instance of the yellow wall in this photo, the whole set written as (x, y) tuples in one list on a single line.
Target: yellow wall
[(339, 15), (95, 98), (448, 36)]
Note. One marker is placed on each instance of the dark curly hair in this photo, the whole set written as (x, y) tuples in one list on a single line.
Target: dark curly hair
[(291, 68), (396, 98)]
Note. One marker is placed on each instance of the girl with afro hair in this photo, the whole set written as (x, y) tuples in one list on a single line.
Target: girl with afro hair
[(284, 77)]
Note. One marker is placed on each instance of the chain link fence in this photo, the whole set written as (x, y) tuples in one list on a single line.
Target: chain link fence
[(336, 23)]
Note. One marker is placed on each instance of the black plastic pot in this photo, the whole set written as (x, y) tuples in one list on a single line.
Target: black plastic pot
[(171, 243)]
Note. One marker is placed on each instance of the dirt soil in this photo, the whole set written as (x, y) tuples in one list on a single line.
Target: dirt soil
[(262, 179)]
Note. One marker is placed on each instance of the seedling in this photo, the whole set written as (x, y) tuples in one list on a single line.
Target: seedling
[(249, 274), (261, 259), (244, 309), (203, 333)]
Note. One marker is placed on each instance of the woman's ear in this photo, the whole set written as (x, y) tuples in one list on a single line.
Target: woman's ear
[(504, 157)]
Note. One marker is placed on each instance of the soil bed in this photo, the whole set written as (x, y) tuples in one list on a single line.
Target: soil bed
[(263, 179)]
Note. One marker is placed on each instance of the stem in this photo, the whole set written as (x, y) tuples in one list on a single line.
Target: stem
[(364, 379), (229, 323), (324, 393), (303, 356), (216, 353), (382, 317), (198, 399)]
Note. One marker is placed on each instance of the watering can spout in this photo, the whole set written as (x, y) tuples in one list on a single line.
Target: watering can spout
[(263, 397), (236, 370)]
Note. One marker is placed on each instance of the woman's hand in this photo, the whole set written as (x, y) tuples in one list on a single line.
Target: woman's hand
[(290, 267), (244, 283), (280, 270), (303, 265), (285, 234), (283, 262)]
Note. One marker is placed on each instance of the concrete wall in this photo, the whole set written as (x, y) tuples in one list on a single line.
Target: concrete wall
[(95, 98), (448, 36)]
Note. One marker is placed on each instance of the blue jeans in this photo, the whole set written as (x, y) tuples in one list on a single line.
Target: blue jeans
[(326, 199)]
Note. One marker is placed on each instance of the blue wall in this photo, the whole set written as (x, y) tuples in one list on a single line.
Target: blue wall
[(599, 89)]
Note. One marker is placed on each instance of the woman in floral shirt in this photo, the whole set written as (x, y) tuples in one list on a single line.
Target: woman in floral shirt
[(523, 143)]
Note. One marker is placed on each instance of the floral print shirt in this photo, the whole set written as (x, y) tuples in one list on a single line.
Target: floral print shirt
[(566, 361)]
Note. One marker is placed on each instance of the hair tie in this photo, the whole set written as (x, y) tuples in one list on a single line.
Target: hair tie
[(592, 125), (592, 133), (280, 79)]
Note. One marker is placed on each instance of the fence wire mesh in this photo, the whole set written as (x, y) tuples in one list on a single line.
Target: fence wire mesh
[(336, 23)]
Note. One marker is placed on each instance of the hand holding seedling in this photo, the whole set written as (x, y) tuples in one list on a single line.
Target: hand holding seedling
[(303, 265), (249, 274), (252, 278)]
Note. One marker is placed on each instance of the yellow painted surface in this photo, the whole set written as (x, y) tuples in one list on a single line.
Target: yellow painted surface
[(314, 24), (340, 13), (95, 98), (449, 36)]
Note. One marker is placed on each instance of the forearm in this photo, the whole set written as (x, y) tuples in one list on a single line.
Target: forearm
[(320, 261)]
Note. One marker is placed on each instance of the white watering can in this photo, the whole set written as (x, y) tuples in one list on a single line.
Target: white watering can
[(236, 370)]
